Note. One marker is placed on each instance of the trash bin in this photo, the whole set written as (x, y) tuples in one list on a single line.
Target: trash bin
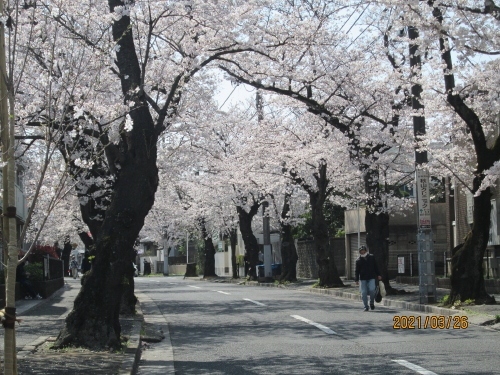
[(260, 270)]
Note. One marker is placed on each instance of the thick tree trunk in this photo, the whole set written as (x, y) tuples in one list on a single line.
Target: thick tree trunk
[(327, 270), (288, 251), (377, 227), (233, 239), (251, 244), (209, 248), (94, 321), (467, 277), (288, 255), (129, 300)]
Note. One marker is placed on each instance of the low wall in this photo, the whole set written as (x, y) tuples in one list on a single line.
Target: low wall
[(177, 269), (49, 287), (44, 288), (492, 285)]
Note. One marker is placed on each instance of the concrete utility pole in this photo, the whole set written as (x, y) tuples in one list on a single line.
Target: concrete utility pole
[(426, 267), (268, 272), (165, 253)]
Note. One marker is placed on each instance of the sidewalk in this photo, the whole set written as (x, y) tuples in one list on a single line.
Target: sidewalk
[(148, 331), (41, 322)]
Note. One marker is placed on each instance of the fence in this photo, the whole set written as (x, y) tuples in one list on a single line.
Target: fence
[(410, 264), (180, 259), (52, 268)]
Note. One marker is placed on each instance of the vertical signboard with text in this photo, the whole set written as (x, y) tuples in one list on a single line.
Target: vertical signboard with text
[(423, 200)]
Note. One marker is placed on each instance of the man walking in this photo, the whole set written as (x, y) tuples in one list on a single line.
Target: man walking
[(367, 272)]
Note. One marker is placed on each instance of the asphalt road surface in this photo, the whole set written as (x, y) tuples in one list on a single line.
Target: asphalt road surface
[(218, 328)]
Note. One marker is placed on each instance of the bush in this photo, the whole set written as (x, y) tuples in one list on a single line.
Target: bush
[(40, 252), (35, 271)]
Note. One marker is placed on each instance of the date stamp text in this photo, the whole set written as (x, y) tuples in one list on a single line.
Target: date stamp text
[(430, 321)]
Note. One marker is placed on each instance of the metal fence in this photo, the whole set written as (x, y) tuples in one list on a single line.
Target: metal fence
[(409, 262), (52, 268)]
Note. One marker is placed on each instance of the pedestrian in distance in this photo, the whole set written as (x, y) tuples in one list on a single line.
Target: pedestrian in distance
[(22, 278), (73, 265), (365, 275)]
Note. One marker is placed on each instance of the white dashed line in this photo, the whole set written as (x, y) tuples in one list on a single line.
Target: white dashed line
[(414, 367), (220, 291), (192, 286), (257, 303), (317, 325)]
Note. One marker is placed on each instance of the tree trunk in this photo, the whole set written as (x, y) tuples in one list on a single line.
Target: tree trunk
[(209, 269), (94, 321), (251, 244), (233, 239), (377, 227), (467, 277), (288, 251), (288, 255), (129, 300), (327, 270)]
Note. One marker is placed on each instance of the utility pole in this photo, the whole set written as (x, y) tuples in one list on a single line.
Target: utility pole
[(426, 266), (165, 252), (268, 272)]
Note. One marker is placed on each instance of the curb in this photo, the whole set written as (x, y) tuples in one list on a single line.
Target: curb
[(386, 302), (159, 357), (411, 306), (130, 363)]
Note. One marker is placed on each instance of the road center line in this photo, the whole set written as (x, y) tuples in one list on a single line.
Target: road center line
[(220, 291), (414, 367), (257, 303), (192, 286), (317, 325)]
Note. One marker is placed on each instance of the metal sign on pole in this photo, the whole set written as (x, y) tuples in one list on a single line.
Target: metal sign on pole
[(426, 267), (268, 272)]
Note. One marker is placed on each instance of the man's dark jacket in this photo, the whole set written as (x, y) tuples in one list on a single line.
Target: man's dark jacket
[(366, 268)]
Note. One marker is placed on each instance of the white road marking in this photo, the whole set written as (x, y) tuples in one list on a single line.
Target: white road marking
[(414, 367), (220, 291), (317, 325), (257, 303), (192, 286), (173, 283)]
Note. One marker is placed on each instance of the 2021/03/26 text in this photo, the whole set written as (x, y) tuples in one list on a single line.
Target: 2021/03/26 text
[(430, 321)]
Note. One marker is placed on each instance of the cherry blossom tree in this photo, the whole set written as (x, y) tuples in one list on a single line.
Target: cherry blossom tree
[(134, 63), (330, 69), (460, 92)]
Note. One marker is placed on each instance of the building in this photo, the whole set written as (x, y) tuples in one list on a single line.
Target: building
[(402, 240)]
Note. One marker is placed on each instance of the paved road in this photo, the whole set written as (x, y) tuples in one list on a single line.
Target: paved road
[(232, 329)]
